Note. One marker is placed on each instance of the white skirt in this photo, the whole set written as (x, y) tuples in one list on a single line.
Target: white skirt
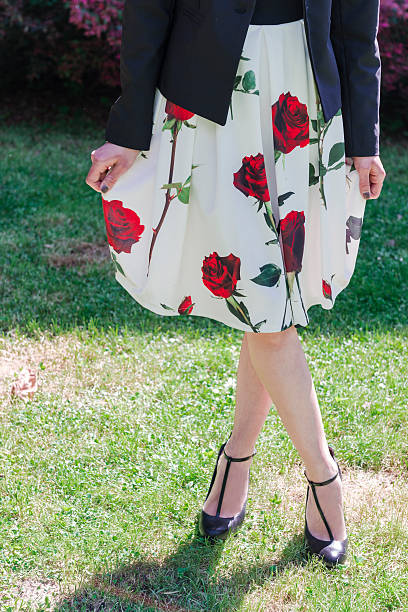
[(250, 223)]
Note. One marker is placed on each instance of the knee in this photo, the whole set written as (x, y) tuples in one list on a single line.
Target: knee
[(273, 340)]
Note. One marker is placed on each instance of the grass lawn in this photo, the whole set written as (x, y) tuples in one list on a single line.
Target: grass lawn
[(103, 472)]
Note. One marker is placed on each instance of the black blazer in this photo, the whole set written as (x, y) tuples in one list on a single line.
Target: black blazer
[(190, 50)]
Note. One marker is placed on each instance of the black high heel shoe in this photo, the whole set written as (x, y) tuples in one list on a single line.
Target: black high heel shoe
[(214, 525), (332, 551)]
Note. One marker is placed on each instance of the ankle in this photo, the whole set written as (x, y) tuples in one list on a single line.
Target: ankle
[(236, 447), (323, 470)]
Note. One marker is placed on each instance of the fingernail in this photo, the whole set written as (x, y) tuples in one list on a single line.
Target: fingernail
[(104, 188), (366, 194)]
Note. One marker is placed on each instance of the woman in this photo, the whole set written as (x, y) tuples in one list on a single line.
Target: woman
[(255, 125)]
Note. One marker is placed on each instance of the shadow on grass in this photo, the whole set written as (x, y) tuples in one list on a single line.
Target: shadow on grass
[(184, 581)]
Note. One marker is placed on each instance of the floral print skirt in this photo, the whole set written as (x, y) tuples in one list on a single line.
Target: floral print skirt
[(250, 223)]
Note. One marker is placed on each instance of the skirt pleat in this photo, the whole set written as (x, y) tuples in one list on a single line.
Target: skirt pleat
[(250, 223)]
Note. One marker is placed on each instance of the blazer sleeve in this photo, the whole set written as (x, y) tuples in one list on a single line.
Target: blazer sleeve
[(354, 28), (145, 28)]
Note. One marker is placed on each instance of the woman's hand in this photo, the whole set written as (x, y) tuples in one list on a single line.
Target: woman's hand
[(109, 162), (371, 174)]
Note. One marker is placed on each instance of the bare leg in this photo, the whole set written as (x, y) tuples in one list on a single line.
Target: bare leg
[(252, 407), (280, 363), (273, 365)]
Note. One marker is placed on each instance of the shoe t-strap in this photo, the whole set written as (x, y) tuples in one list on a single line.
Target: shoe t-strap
[(224, 481), (320, 484)]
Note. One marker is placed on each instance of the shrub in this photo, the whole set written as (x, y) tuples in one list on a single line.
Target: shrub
[(393, 42), (77, 42), (44, 42)]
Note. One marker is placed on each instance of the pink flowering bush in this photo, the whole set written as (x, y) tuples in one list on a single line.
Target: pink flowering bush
[(393, 43), (77, 42), (98, 18)]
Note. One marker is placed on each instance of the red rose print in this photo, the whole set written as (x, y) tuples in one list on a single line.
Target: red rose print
[(327, 292), (290, 122), (123, 227), (292, 228), (186, 306), (177, 111), (251, 178), (220, 274)]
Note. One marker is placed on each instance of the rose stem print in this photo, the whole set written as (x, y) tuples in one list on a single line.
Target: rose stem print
[(220, 276), (248, 83), (176, 116), (292, 229), (336, 152)]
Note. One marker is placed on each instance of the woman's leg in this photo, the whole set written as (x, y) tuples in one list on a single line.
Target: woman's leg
[(275, 364), (251, 409)]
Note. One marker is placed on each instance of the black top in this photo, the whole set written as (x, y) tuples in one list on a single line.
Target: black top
[(277, 11)]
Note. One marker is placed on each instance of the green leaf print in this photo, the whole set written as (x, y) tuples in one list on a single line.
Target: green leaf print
[(337, 167), (171, 185), (249, 82), (269, 276), (313, 179), (168, 124), (258, 325), (268, 221), (284, 196), (238, 309), (238, 294), (166, 307), (184, 195), (183, 189), (117, 264), (322, 169), (336, 153), (321, 127)]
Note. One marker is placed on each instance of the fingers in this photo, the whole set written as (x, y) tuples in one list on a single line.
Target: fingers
[(378, 175), (96, 174), (109, 162), (376, 183), (371, 176), (112, 176), (364, 174)]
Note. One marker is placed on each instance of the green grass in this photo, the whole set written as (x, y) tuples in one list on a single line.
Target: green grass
[(104, 471)]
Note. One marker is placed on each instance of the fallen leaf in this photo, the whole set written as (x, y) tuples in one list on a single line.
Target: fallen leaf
[(26, 384)]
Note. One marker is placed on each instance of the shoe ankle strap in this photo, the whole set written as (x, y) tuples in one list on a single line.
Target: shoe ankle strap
[(324, 482), (239, 458)]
